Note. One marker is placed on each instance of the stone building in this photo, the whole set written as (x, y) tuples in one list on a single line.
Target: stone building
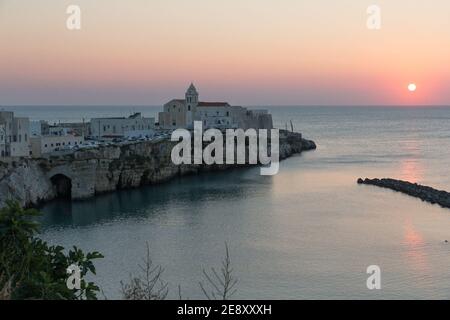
[(181, 113), (41, 145), (14, 135), (2, 139), (121, 127)]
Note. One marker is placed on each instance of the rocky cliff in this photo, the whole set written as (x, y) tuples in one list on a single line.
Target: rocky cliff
[(85, 173)]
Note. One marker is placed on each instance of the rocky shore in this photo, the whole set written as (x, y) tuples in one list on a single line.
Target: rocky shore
[(86, 173), (427, 194)]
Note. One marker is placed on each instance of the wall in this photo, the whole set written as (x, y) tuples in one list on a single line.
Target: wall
[(174, 116), (2, 140), (19, 146), (101, 127), (216, 117), (46, 144)]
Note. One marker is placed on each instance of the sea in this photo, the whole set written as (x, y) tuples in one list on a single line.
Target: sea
[(309, 232)]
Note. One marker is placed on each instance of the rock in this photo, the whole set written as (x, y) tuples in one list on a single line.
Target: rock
[(424, 193), (26, 183), (106, 169)]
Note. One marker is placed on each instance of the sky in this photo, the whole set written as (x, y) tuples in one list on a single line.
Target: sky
[(247, 52)]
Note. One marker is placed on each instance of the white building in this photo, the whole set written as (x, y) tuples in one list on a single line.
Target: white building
[(36, 128), (2, 140), (215, 115), (41, 145), (42, 128), (14, 135), (181, 113), (121, 127), (59, 131)]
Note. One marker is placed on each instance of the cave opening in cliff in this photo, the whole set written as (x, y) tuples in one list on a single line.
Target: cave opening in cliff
[(62, 186)]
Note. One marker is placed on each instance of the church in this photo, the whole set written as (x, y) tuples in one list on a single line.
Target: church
[(181, 113)]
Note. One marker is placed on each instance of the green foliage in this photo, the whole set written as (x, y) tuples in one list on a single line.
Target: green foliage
[(34, 269)]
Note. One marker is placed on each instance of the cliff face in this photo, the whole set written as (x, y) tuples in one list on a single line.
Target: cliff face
[(25, 182), (86, 173)]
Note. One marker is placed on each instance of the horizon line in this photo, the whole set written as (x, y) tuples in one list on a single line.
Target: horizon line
[(249, 105)]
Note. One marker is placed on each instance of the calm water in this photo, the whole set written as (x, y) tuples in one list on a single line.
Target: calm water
[(308, 232)]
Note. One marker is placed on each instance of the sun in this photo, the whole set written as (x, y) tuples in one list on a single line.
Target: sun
[(412, 87)]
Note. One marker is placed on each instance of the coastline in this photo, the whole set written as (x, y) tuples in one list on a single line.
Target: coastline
[(87, 173)]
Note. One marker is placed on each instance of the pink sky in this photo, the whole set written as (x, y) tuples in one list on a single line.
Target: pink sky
[(249, 52)]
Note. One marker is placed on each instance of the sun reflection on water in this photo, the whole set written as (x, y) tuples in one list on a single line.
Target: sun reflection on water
[(411, 168), (414, 243)]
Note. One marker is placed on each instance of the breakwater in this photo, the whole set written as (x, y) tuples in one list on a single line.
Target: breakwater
[(425, 193), (86, 173)]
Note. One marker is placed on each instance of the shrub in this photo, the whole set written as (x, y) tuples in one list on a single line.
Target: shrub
[(148, 285), (222, 284), (31, 268)]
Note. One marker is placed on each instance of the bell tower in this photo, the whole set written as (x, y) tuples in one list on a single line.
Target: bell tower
[(191, 105), (191, 96)]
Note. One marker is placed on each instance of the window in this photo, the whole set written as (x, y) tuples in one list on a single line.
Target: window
[(26, 137), (189, 107)]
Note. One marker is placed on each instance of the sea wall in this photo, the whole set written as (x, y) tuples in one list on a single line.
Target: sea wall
[(425, 193), (86, 173)]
